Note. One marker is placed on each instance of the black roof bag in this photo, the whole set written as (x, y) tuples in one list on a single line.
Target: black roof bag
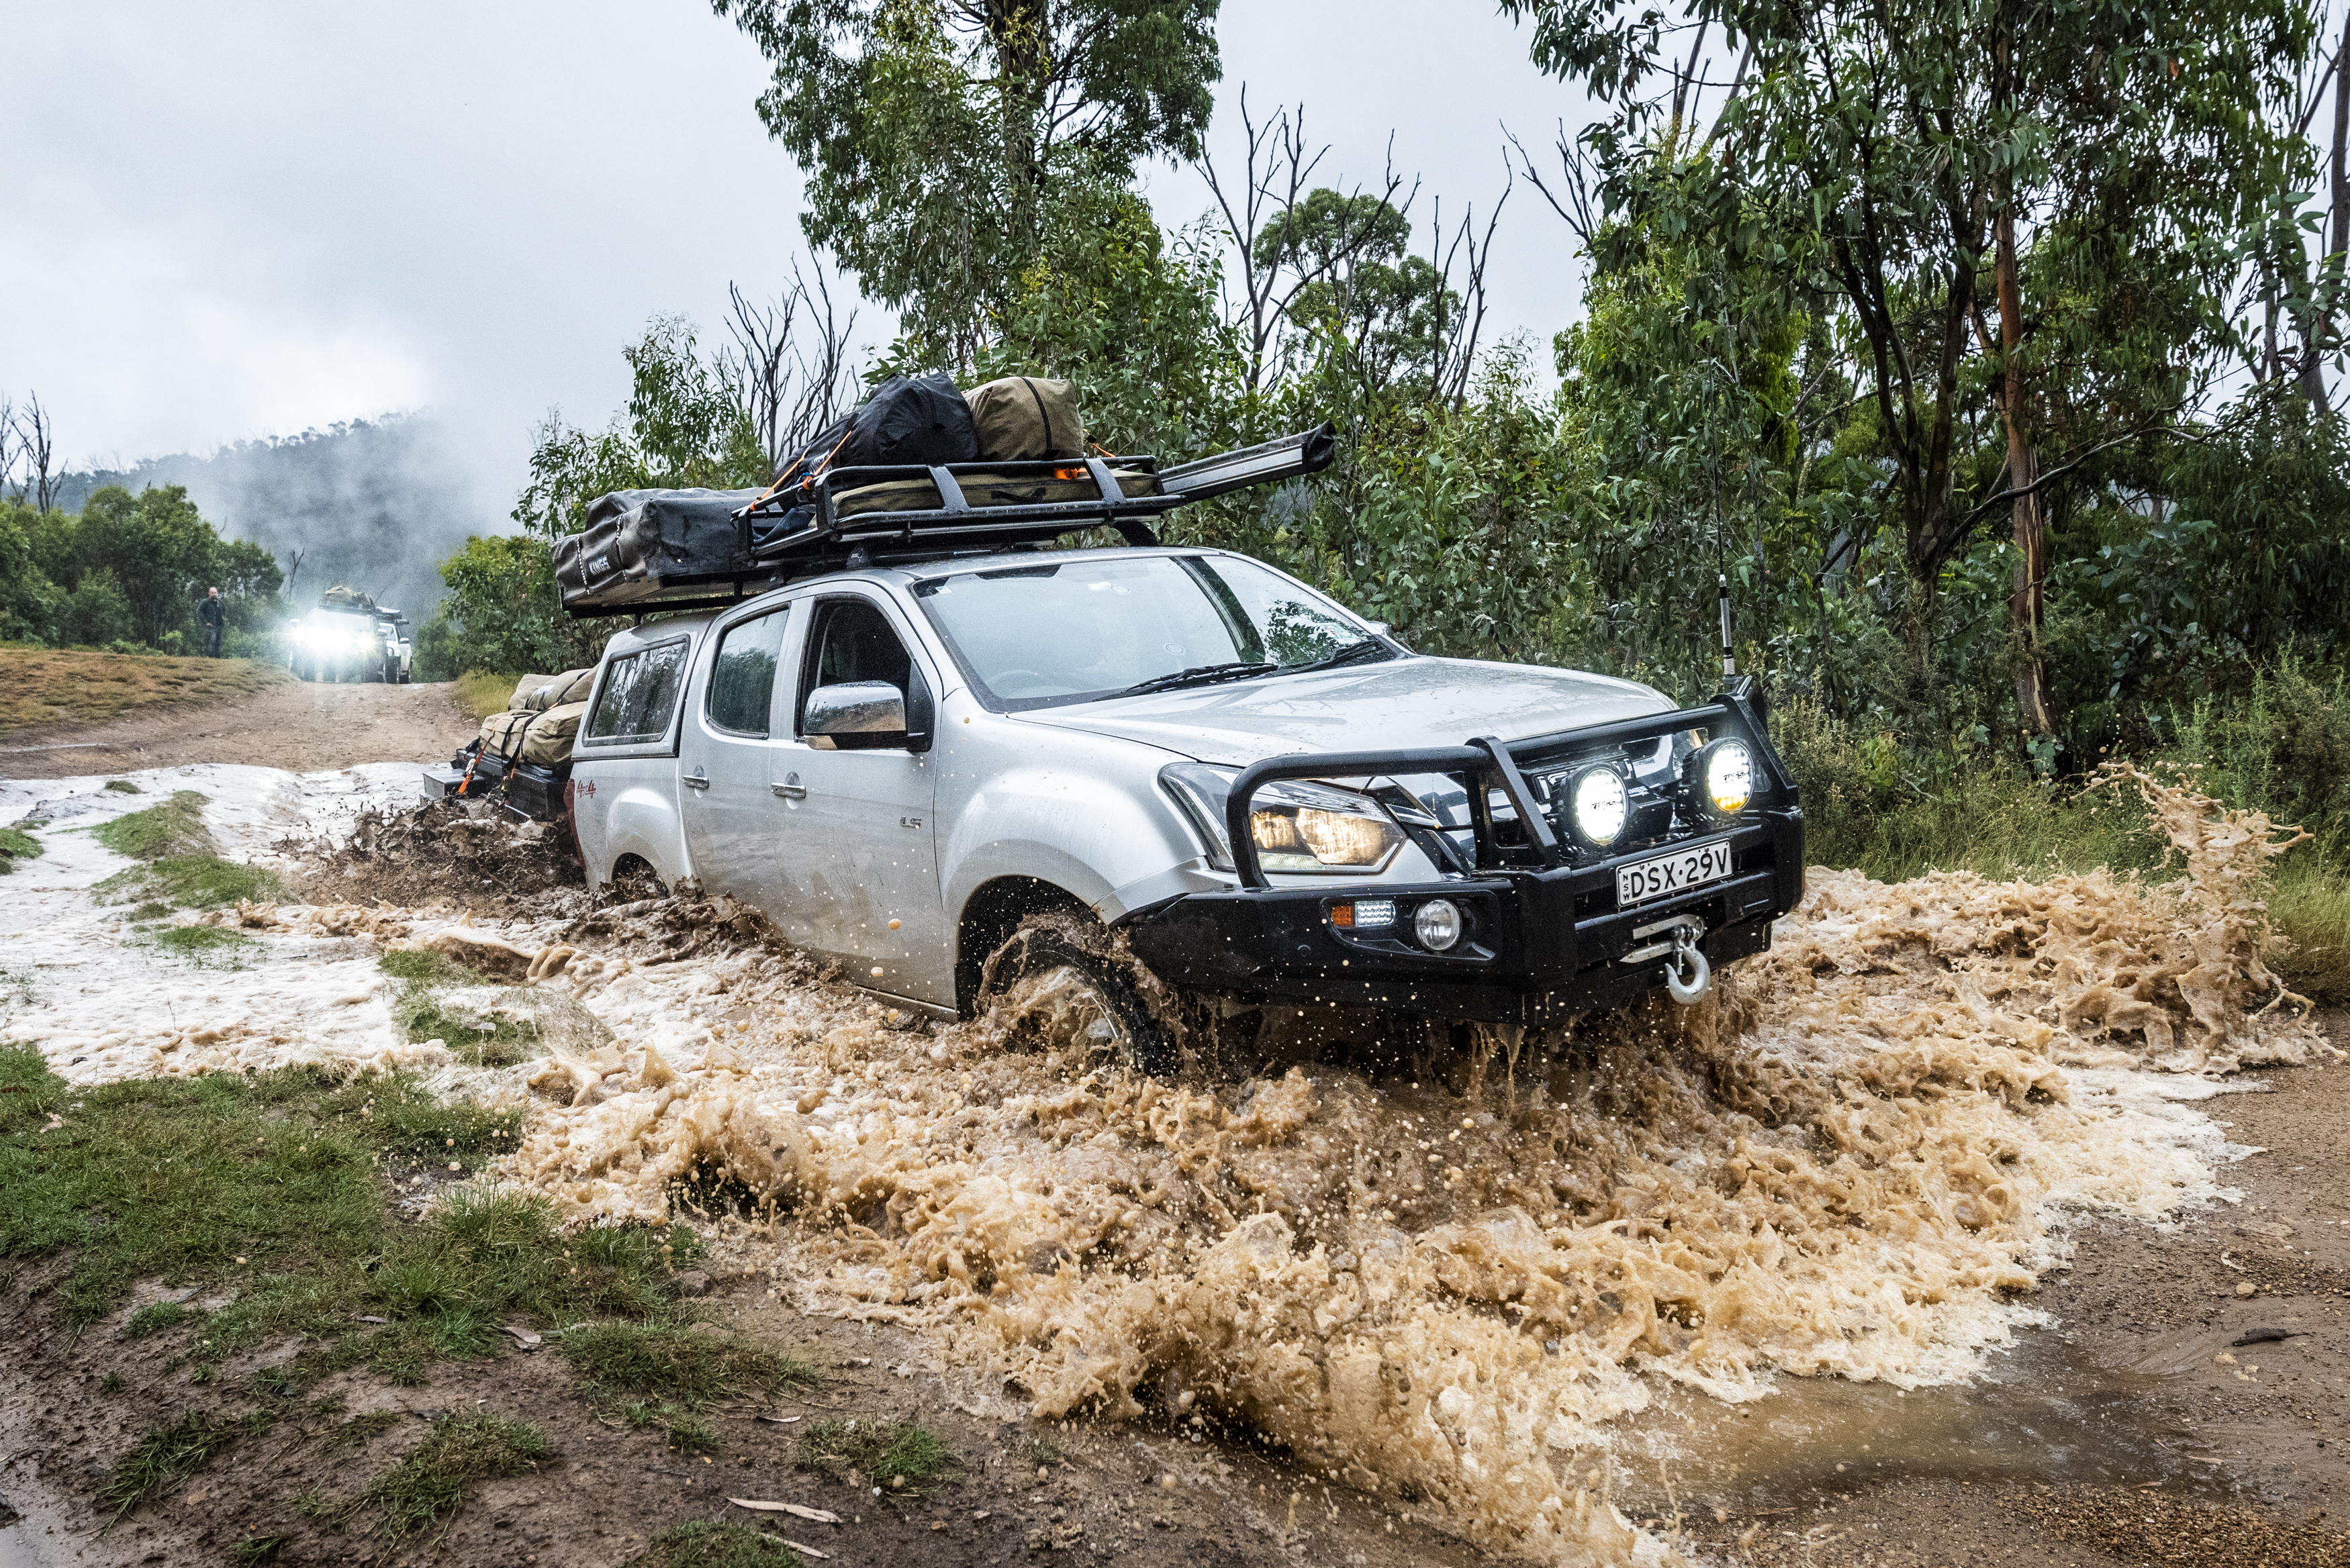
[(909, 419), (640, 542)]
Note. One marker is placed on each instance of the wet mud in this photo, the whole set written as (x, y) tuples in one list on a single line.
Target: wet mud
[(1654, 1288)]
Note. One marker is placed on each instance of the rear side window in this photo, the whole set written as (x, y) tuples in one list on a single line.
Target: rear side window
[(743, 676), (640, 695)]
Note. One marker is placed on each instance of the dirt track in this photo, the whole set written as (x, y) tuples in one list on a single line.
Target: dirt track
[(300, 727)]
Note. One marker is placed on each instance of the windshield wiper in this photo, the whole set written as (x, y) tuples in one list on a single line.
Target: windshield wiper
[(1198, 675), (1353, 653)]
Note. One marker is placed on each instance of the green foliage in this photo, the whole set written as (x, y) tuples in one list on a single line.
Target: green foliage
[(665, 1375), (940, 140), (487, 1040), (504, 610), (697, 1545)]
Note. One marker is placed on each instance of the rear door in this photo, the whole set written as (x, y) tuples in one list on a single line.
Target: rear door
[(860, 856), (731, 816)]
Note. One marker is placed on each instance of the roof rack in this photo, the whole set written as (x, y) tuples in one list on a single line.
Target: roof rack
[(848, 518)]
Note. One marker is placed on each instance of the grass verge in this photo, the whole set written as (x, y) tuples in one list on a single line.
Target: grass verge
[(43, 687), (275, 1185), (486, 1040), (898, 1455), (482, 693), (700, 1544)]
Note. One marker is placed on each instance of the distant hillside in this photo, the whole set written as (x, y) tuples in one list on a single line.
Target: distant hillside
[(374, 504)]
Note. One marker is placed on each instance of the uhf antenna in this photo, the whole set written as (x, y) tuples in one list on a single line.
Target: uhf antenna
[(1729, 659)]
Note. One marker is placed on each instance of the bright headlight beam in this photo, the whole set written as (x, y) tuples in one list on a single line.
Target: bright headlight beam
[(1599, 804), (1730, 777)]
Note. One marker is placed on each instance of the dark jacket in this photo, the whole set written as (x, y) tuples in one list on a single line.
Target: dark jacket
[(209, 612)]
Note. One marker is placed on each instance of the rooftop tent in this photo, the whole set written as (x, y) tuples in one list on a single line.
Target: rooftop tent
[(638, 541)]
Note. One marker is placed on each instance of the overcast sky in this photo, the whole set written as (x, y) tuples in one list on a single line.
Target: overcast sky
[(243, 218)]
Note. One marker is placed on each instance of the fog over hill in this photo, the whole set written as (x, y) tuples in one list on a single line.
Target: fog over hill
[(375, 504)]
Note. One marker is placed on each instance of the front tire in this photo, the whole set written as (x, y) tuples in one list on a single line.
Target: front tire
[(1065, 995)]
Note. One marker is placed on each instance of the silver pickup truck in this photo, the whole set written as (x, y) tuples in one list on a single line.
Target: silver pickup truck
[(945, 773)]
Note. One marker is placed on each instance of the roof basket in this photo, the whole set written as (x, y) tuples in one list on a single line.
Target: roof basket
[(849, 517)]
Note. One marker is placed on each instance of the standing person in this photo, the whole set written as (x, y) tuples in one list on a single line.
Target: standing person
[(214, 617)]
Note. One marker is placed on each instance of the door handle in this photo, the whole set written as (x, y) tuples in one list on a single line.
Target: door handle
[(695, 780), (791, 788)]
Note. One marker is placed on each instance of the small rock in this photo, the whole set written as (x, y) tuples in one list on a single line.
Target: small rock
[(694, 1282), (2245, 1287)]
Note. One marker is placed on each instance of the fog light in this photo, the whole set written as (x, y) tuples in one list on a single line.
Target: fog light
[(1369, 912), (1436, 924), (1721, 778), (1599, 807)]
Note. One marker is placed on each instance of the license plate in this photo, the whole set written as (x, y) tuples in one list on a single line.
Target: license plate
[(1674, 873)]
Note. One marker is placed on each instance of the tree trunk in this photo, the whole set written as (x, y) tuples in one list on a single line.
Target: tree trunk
[(2027, 608)]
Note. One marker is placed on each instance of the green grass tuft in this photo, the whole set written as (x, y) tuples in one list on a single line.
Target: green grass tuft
[(431, 1482), (200, 939), (259, 1548), (428, 967), (168, 1455), (193, 882), (161, 832), (150, 910), (881, 1451), (157, 1316), (700, 1544), (124, 787), (18, 844), (489, 1040), (665, 1374)]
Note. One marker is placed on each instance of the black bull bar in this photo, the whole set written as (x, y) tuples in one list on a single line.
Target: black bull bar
[(1543, 938)]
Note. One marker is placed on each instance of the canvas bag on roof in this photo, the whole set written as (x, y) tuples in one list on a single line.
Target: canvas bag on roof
[(523, 691), (1022, 418), (502, 734)]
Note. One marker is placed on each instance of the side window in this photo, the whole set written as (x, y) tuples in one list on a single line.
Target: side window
[(743, 676), (853, 642), (640, 695)]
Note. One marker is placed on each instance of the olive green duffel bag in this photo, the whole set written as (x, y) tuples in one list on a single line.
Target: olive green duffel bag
[(1022, 418), (547, 741)]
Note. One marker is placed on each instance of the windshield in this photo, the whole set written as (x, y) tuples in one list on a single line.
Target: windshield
[(1038, 636)]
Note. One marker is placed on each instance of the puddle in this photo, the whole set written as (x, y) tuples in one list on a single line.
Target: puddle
[(2042, 1412)]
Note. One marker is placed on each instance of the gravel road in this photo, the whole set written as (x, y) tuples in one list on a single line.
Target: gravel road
[(299, 726)]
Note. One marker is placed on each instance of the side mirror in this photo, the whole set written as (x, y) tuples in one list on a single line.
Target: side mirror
[(856, 715)]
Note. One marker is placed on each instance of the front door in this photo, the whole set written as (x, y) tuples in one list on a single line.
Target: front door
[(731, 816), (858, 851)]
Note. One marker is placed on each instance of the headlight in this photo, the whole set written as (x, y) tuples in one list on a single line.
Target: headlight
[(1296, 825), (1597, 805), (1720, 776), (1436, 924)]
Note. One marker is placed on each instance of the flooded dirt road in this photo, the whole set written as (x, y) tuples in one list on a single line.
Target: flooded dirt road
[(1923, 1242), (297, 726)]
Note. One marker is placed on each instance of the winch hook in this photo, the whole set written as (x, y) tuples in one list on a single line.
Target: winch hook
[(1688, 977)]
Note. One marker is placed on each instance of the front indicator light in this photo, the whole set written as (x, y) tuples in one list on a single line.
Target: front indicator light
[(1363, 914), (1436, 924)]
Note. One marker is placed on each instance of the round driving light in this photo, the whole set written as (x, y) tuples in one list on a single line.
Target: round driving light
[(1599, 807), (1729, 776), (1436, 924)]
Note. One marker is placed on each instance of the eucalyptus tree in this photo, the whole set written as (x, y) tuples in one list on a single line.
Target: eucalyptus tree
[(938, 136), (1975, 187)]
